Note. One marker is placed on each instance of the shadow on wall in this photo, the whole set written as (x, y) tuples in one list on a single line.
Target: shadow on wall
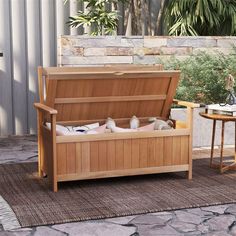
[(16, 106)]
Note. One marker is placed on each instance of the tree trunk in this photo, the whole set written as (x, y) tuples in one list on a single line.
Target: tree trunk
[(159, 17), (143, 17), (128, 14)]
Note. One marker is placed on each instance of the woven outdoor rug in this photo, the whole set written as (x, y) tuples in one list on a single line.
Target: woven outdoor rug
[(35, 204)]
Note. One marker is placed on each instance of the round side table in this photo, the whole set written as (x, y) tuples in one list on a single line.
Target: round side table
[(223, 118)]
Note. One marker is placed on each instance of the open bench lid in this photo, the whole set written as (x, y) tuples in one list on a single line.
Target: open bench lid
[(90, 93)]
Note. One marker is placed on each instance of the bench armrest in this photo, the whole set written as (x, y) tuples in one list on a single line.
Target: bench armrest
[(186, 104), (45, 108)]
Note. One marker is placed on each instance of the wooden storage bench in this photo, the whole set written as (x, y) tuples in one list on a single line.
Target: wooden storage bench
[(76, 96)]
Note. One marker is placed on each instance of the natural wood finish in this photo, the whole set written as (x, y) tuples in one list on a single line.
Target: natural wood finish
[(217, 117), (109, 99), (40, 83), (128, 172), (40, 142), (213, 141), (186, 104), (45, 108), (223, 118), (116, 136), (113, 68), (190, 126), (77, 96)]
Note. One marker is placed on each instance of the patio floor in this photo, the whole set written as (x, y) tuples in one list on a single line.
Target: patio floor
[(216, 220)]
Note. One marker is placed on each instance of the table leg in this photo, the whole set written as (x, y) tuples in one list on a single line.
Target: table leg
[(213, 140), (222, 146)]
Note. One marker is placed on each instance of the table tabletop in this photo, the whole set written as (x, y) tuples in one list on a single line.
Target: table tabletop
[(217, 117)]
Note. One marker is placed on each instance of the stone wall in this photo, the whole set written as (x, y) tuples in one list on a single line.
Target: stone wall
[(82, 50)]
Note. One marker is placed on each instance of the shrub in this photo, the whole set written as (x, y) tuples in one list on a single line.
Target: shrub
[(203, 76)]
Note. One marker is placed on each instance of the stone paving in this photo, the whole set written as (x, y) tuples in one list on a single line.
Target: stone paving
[(213, 220)]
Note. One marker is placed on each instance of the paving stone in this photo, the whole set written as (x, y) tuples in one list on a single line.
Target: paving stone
[(98, 229), (183, 226), (15, 233), (156, 230), (200, 212), (218, 233), (47, 231), (220, 209), (188, 217), (233, 230), (194, 233), (203, 228), (231, 209), (148, 220), (165, 215), (120, 220), (220, 223)]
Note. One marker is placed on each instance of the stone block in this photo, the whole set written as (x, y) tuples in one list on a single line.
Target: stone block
[(188, 217), (147, 51), (176, 50), (226, 42), (94, 51), (96, 60), (194, 42), (220, 223), (100, 42), (117, 51), (146, 60), (183, 227), (72, 51), (214, 50), (151, 42), (135, 41), (44, 230)]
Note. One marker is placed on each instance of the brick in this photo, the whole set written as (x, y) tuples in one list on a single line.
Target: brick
[(151, 42), (194, 42), (94, 51), (115, 51), (96, 60)]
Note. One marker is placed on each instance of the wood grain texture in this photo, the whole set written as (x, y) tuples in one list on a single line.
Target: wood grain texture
[(111, 155), (83, 96), (91, 93), (85, 153)]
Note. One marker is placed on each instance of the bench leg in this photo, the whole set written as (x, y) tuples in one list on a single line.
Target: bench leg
[(190, 174), (55, 186)]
